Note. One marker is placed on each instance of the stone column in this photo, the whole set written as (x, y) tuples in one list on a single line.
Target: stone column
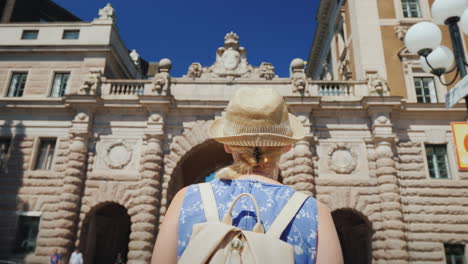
[(144, 210), (64, 223), (390, 245), (297, 168)]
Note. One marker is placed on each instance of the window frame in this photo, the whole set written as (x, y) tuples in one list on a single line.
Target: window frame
[(27, 214), (424, 9), (8, 84), (22, 37), (52, 83), (37, 149), (435, 89), (451, 175), (412, 69), (453, 244), (65, 31), (419, 11)]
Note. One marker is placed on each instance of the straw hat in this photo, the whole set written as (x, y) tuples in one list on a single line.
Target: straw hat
[(257, 117)]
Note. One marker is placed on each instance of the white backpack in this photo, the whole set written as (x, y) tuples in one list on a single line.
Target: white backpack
[(221, 242)]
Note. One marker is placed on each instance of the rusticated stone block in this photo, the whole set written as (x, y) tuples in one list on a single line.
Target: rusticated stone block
[(139, 254), (143, 236), (146, 227), (143, 217), (140, 245)]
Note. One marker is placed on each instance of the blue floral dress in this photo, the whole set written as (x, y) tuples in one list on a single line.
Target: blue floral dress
[(301, 232)]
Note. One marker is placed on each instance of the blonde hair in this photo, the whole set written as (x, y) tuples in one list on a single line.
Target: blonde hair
[(251, 160)]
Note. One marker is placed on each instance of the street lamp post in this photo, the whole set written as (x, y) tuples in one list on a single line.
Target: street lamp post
[(424, 38)]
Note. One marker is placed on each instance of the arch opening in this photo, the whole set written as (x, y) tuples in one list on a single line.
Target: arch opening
[(196, 165), (106, 234), (355, 233)]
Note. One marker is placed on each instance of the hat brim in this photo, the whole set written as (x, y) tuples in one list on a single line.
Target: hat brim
[(216, 131)]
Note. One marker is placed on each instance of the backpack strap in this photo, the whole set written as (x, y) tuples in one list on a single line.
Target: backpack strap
[(287, 214), (209, 202)]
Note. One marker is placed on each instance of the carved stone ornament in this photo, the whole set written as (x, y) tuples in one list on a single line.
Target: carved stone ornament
[(161, 82), (231, 63), (377, 85), (135, 57), (118, 155), (266, 70), (400, 31), (342, 159), (298, 77), (195, 70), (107, 13), (91, 83)]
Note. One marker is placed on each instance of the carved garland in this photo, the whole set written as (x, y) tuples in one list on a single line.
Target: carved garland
[(118, 164), (342, 159)]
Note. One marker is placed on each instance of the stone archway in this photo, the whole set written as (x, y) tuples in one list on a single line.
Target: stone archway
[(106, 234), (193, 156), (355, 234)]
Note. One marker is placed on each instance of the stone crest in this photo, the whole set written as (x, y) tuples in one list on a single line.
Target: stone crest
[(231, 63)]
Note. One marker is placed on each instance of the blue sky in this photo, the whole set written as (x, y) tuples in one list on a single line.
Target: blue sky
[(189, 31)]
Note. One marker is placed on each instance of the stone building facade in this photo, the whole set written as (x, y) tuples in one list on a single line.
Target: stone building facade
[(93, 152), (421, 214)]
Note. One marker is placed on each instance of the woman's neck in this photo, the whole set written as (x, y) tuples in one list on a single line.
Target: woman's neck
[(259, 177)]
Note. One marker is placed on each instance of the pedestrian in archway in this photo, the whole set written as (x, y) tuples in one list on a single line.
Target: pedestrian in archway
[(76, 257), (56, 257)]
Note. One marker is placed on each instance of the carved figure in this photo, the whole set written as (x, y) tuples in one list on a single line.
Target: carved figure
[(266, 70), (298, 77), (377, 84), (135, 57), (91, 84), (195, 70)]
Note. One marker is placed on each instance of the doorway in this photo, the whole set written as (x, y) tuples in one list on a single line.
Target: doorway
[(355, 234), (108, 234)]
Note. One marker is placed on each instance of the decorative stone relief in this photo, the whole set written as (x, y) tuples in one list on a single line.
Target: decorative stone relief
[(162, 80), (342, 159), (107, 13), (377, 84), (400, 31), (92, 83), (298, 77), (266, 70), (231, 63), (195, 70), (116, 154)]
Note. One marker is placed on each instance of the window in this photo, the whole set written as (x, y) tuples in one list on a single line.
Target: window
[(411, 8), (71, 34), (60, 84), (425, 90), (4, 147), (437, 161), (27, 229), (17, 83), (455, 253), (30, 34), (45, 154)]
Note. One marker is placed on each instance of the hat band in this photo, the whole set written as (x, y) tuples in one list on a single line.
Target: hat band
[(232, 129)]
